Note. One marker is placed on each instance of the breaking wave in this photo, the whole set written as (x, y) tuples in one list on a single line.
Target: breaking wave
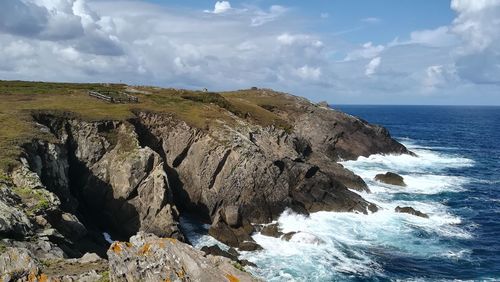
[(348, 246)]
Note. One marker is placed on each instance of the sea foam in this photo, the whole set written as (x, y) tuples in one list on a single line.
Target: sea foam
[(351, 245)]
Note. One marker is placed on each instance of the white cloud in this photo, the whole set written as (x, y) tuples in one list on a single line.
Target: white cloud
[(477, 25), (367, 51), (439, 37), (291, 39), (237, 47), (306, 72), (324, 15), (371, 20), (263, 17), (372, 66), (220, 7)]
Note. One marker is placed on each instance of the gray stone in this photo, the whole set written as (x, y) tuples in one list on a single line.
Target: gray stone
[(149, 258), (391, 178), (410, 210)]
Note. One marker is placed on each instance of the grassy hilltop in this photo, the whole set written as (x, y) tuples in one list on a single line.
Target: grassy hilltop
[(19, 100)]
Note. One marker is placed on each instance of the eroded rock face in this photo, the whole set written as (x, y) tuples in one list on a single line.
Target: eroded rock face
[(13, 222), (391, 178), (150, 258), (258, 171)]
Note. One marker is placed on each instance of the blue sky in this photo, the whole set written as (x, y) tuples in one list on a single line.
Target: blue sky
[(345, 52)]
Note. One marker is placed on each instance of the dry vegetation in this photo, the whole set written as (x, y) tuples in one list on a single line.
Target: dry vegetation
[(19, 99)]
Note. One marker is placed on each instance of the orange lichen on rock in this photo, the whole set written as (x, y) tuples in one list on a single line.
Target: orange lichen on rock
[(181, 273), (43, 278), (116, 247), (128, 244), (145, 249), (232, 278), (32, 277)]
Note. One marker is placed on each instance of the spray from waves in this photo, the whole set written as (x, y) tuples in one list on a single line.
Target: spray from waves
[(343, 246)]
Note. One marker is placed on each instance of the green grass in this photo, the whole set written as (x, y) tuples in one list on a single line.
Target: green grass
[(33, 198), (239, 267), (20, 99), (104, 277), (3, 248)]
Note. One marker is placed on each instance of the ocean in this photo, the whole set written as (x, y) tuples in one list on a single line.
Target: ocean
[(455, 180)]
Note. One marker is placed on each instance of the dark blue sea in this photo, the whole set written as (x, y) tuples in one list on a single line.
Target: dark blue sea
[(455, 180)]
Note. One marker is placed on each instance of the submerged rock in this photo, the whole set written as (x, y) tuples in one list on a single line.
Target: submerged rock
[(150, 258), (288, 236), (391, 178), (410, 210), (302, 237)]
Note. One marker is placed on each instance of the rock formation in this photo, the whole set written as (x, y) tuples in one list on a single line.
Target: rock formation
[(149, 258), (140, 174), (391, 178), (410, 210)]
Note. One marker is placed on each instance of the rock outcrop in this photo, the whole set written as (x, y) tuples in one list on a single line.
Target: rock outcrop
[(410, 210), (391, 178), (140, 174), (149, 258), (271, 230)]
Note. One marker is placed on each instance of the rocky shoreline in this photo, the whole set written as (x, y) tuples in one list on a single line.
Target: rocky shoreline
[(133, 179)]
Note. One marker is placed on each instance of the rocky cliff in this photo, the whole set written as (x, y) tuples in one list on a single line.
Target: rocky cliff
[(139, 174)]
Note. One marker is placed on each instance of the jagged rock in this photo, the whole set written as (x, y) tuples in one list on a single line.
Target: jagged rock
[(215, 250), (25, 178), (131, 175), (149, 258), (41, 248), (249, 246), (390, 178), (288, 236), (17, 264), (271, 230), (233, 237), (233, 252), (410, 210), (71, 227), (130, 184), (240, 170), (13, 221), (323, 104), (245, 262), (232, 215), (49, 161)]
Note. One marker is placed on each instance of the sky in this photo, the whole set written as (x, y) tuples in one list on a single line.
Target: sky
[(344, 52)]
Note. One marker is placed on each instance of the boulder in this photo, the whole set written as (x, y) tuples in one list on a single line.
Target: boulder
[(249, 246), (228, 235), (13, 221), (150, 258), (288, 236), (18, 264), (215, 250), (271, 230), (302, 237), (410, 210), (390, 178), (323, 104)]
